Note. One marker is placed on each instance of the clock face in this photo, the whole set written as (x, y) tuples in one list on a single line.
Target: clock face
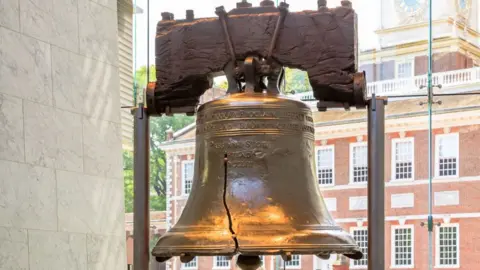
[(411, 6), (464, 7)]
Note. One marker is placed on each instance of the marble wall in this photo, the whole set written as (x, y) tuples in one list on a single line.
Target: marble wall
[(61, 186)]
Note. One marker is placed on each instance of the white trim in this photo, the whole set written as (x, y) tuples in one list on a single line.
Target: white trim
[(299, 266), (350, 165), (402, 200), (182, 175), (443, 198), (412, 123), (325, 147), (214, 266), (392, 249), (437, 246), (412, 217), (182, 265), (413, 183), (393, 158), (352, 229), (178, 146), (437, 156)]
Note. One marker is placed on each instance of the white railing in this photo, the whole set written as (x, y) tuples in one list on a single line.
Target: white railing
[(457, 80)]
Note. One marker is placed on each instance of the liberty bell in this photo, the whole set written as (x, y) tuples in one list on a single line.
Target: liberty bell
[(255, 190)]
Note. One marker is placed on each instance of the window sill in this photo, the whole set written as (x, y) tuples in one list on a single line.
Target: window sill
[(402, 180), (445, 177), (358, 183), (402, 267), (447, 266), (359, 267)]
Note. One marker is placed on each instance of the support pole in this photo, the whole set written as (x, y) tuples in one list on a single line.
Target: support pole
[(141, 221), (376, 183)]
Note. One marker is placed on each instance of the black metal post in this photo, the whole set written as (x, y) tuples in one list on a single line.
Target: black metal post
[(141, 221), (376, 183)]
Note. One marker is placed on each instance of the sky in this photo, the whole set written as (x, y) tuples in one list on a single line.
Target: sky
[(367, 22)]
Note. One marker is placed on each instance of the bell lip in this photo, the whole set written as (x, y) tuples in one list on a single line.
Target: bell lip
[(352, 253)]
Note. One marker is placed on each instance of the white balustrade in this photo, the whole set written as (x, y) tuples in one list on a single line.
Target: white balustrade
[(455, 79)]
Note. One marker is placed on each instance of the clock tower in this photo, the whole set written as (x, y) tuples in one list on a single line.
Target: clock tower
[(403, 32), (407, 20)]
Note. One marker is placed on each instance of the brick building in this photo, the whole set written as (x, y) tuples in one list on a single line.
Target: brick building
[(397, 67), (158, 226)]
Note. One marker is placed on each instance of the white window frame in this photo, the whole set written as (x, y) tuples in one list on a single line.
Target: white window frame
[(393, 158), (221, 267), (299, 266), (352, 229), (191, 267), (404, 61), (392, 247), (437, 155), (437, 246), (326, 147), (352, 146), (182, 173)]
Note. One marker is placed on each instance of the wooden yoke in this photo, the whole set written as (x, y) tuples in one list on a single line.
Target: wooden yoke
[(189, 53)]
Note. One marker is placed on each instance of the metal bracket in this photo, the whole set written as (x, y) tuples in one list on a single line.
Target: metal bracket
[(222, 15)]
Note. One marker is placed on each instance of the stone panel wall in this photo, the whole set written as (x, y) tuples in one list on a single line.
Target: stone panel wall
[(61, 186)]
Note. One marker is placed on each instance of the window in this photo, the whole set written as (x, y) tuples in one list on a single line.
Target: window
[(190, 265), (361, 237), (447, 246), (402, 246), (187, 176), (358, 163), (402, 159), (447, 155), (295, 262), (404, 69), (325, 165), (221, 262)]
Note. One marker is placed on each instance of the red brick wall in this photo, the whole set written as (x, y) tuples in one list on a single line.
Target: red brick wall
[(441, 62), (469, 195)]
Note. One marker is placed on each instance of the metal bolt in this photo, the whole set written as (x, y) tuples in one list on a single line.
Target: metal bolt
[(244, 4), (190, 15), (165, 16), (267, 3), (284, 5), (346, 3)]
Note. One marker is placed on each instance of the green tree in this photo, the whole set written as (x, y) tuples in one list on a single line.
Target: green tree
[(221, 85), (158, 130), (297, 81), (141, 76), (128, 180)]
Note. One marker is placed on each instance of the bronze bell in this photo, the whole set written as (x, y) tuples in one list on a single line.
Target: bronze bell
[(254, 190)]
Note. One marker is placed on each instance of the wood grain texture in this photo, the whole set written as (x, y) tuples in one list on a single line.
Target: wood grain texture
[(323, 43)]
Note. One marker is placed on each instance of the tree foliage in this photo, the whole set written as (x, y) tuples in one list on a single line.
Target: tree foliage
[(296, 81)]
